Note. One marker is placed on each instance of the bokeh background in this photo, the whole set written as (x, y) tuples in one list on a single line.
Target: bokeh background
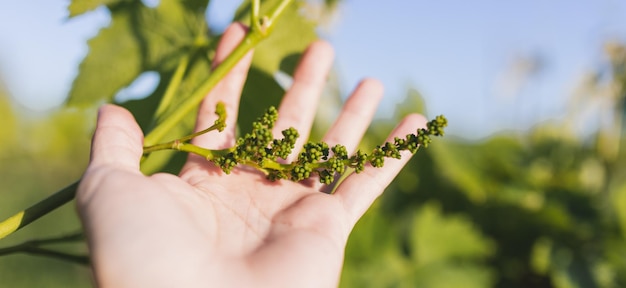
[(528, 189)]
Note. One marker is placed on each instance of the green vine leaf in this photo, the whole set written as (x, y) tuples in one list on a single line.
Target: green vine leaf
[(139, 39), (293, 33), (435, 237), (438, 245), (78, 7)]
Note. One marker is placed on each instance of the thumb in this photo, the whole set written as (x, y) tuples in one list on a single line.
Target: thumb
[(118, 140)]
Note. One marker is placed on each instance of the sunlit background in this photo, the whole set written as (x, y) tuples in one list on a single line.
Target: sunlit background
[(527, 189), (489, 65)]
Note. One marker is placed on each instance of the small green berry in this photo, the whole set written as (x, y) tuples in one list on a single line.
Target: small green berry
[(326, 177)]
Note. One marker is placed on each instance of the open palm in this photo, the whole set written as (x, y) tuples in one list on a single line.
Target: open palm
[(204, 228)]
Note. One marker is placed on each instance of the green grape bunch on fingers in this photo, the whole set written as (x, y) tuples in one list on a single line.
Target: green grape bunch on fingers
[(260, 150)]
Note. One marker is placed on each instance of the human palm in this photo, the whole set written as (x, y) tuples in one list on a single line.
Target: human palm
[(205, 228)]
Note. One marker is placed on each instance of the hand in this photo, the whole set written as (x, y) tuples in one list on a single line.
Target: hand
[(207, 229)]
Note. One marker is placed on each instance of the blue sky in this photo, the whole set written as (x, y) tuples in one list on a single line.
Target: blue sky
[(472, 60)]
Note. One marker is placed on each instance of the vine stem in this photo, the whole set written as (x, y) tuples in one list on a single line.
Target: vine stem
[(33, 213), (253, 37), (220, 124), (172, 87), (163, 127), (33, 247)]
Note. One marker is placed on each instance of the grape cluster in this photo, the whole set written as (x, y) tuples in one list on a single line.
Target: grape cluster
[(260, 150), (259, 145)]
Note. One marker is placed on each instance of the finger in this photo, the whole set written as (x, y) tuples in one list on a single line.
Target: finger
[(355, 117), (118, 140), (227, 91), (297, 109), (359, 191)]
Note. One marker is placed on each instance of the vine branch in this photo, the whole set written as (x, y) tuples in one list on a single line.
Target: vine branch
[(252, 38), (172, 87), (34, 212), (33, 247)]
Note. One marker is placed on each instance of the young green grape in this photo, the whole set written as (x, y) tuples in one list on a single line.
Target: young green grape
[(259, 149)]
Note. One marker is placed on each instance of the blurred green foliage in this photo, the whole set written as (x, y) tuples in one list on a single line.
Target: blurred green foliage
[(540, 208), (40, 154), (545, 211)]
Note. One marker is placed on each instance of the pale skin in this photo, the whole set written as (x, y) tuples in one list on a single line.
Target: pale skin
[(203, 228)]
